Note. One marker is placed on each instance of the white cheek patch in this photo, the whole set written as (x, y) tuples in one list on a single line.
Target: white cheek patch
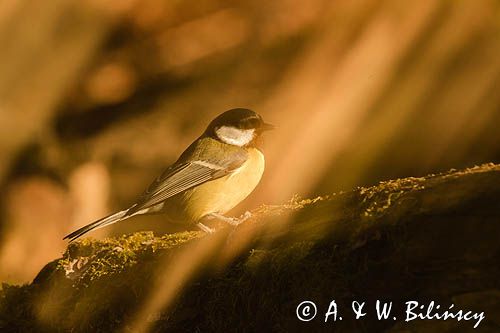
[(235, 136)]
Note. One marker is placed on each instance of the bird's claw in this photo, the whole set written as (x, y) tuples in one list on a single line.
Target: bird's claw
[(204, 228), (245, 216), (231, 220)]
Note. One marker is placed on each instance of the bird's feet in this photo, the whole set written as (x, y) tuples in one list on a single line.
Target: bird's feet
[(234, 221), (245, 216), (204, 228)]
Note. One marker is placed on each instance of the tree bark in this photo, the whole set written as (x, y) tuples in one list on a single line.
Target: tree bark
[(434, 238)]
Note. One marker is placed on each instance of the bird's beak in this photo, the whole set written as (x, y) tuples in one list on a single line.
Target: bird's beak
[(267, 127)]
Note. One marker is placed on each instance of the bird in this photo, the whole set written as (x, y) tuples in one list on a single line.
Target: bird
[(214, 174)]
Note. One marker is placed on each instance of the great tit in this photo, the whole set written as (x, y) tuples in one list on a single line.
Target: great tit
[(215, 173)]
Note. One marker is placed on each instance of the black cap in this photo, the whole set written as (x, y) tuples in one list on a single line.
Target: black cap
[(240, 118)]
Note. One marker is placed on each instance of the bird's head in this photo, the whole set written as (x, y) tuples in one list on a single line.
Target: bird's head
[(239, 127)]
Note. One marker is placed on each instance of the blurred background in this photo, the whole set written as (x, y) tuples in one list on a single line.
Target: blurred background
[(97, 97)]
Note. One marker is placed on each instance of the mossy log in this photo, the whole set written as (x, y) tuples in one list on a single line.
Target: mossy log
[(430, 238)]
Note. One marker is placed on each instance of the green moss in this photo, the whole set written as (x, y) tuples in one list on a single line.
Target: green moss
[(88, 259), (377, 199)]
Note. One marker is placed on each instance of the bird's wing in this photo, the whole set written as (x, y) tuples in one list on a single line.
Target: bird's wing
[(183, 176)]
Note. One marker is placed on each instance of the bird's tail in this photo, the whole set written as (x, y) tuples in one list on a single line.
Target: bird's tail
[(110, 219)]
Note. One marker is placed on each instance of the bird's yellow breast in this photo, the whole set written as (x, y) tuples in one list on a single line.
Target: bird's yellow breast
[(222, 194)]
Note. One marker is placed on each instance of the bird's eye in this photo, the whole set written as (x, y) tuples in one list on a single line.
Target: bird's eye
[(249, 123)]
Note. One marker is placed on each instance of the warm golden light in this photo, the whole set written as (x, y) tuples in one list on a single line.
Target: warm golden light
[(96, 100)]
